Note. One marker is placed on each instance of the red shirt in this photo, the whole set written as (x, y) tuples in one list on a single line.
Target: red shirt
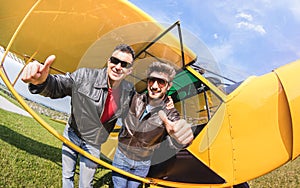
[(111, 104)]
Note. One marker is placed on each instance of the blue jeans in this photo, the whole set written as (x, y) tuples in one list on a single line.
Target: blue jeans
[(139, 168), (69, 159)]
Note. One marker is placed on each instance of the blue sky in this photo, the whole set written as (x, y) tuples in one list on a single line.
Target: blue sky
[(245, 37), (12, 69)]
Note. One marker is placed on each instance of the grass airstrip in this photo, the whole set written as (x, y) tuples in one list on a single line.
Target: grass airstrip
[(31, 157)]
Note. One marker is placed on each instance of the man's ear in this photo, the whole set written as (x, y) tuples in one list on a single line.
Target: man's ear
[(170, 85), (107, 62), (129, 71)]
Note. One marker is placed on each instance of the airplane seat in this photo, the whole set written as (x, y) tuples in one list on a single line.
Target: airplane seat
[(197, 129)]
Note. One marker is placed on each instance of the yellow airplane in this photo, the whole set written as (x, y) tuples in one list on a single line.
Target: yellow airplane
[(242, 130)]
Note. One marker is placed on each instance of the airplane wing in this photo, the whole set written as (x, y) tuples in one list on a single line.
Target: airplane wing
[(83, 33)]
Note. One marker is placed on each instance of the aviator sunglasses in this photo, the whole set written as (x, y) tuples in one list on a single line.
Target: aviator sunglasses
[(116, 61), (161, 82)]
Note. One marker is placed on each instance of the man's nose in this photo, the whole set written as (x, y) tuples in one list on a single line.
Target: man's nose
[(155, 85), (118, 66)]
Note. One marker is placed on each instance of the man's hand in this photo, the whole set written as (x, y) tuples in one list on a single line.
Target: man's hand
[(170, 104), (180, 130), (37, 73)]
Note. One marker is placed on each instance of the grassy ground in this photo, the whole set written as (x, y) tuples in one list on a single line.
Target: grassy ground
[(287, 176), (31, 157)]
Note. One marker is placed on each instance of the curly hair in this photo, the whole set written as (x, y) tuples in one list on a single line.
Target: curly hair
[(162, 68)]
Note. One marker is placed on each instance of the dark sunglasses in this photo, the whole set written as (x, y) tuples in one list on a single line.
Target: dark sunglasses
[(161, 82), (116, 61)]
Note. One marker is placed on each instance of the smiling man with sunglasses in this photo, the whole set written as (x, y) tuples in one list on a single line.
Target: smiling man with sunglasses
[(148, 123), (98, 98)]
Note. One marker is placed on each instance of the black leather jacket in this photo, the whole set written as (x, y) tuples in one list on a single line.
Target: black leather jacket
[(88, 89), (139, 138)]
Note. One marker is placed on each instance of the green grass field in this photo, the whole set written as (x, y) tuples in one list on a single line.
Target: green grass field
[(31, 157)]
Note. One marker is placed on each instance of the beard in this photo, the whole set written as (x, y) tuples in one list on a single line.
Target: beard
[(154, 95)]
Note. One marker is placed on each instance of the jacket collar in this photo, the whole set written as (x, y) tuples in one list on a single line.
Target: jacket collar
[(161, 105), (102, 81)]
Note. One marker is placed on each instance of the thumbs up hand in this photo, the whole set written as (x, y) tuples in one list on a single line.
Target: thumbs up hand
[(180, 130), (37, 73)]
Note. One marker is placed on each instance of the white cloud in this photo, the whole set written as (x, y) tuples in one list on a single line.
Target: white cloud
[(257, 28), (248, 22), (216, 36), (245, 16)]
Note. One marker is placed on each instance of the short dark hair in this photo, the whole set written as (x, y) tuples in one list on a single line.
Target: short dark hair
[(160, 67), (125, 48)]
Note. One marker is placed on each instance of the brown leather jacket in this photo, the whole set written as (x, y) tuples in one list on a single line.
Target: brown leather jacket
[(138, 137)]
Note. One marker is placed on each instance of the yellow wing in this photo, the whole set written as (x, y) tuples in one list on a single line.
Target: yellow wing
[(82, 33)]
